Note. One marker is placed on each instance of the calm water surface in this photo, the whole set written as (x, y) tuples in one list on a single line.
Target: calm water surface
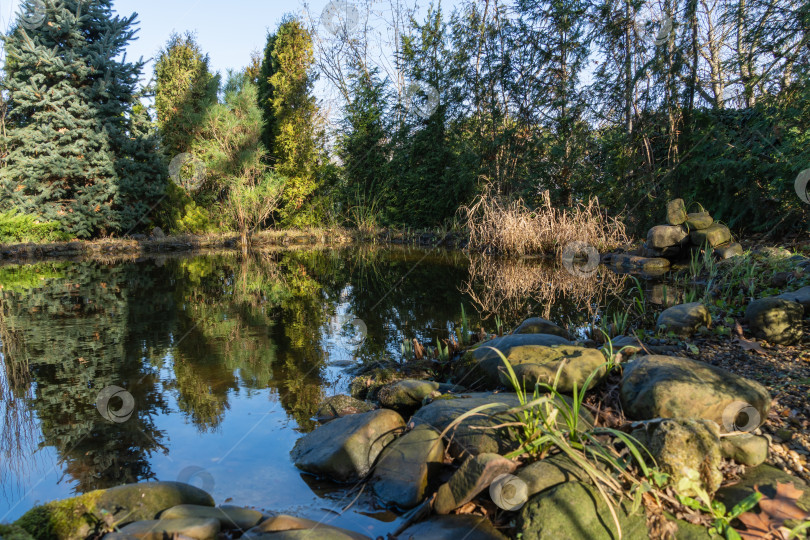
[(226, 359)]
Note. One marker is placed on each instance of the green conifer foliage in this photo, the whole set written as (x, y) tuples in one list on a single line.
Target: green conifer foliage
[(71, 124)]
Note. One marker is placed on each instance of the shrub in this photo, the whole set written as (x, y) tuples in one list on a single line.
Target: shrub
[(17, 227)]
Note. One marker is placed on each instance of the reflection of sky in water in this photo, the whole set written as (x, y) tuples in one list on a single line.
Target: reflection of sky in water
[(227, 361)]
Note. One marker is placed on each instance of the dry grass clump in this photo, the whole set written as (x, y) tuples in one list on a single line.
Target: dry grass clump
[(510, 227)]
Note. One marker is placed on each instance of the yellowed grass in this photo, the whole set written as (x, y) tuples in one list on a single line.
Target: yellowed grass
[(511, 227)]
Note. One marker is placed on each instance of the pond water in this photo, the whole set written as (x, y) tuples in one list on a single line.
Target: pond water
[(226, 360)]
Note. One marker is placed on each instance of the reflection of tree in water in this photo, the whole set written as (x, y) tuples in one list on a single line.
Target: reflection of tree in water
[(72, 334), (517, 289)]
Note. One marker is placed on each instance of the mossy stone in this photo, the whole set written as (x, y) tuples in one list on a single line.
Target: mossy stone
[(676, 212), (698, 221), (538, 325), (776, 320), (715, 235), (684, 319)]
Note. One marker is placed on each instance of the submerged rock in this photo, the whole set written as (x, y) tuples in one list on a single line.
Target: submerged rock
[(340, 405), (537, 325), (684, 319), (577, 510), (196, 528), (457, 527), (467, 437), (473, 477), (407, 465), (776, 320), (229, 517), (674, 387), (284, 526), (345, 448)]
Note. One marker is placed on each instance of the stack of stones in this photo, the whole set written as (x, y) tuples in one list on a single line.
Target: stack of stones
[(685, 231)]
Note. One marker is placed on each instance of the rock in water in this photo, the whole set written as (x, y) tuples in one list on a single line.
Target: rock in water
[(676, 212), (684, 319), (288, 527), (345, 448), (699, 221), (473, 477), (728, 251), (407, 395), (776, 320), (405, 467), (665, 236), (577, 510), (715, 235), (685, 448), (196, 528), (340, 405), (229, 517), (673, 387), (456, 527), (536, 325)]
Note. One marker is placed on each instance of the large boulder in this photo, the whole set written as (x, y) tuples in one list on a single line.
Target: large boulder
[(473, 477), (664, 236), (802, 297), (699, 221), (478, 433), (345, 448), (479, 367), (715, 235), (776, 320), (283, 527), (676, 212), (577, 510), (673, 387), (455, 527), (535, 364), (684, 319), (75, 517), (537, 325), (407, 465)]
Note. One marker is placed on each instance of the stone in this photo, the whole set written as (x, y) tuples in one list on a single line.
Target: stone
[(229, 517), (157, 232), (158, 529), (765, 478), (407, 395), (480, 366), (473, 477), (687, 448), (345, 448), (289, 527), (774, 252), (746, 449), (406, 467), (801, 296), (715, 235), (699, 221), (671, 252), (684, 319), (551, 471), (73, 518), (665, 294), (536, 325), (673, 387), (577, 510), (776, 320), (340, 405), (664, 236), (455, 527), (534, 364), (676, 212), (643, 264), (727, 251), (466, 437)]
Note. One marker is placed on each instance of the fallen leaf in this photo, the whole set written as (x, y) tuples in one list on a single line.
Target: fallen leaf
[(769, 523), (748, 345)]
